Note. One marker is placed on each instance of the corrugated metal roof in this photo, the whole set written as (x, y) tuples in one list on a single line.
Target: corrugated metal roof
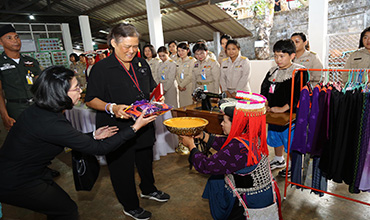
[(180, 26), (187, 20)]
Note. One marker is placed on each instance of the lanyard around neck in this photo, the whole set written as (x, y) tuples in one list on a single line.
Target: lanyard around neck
[(135, 81)]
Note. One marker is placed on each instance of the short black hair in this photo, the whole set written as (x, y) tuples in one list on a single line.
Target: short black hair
[(122, 30), (172, 42), (229, 111), (162, 49), (302, 35), (285, 46), (362, 36), (151, 48), (51, 88), (225, 36), (200, 46), (184, 46), (231, 41), (77, 58)]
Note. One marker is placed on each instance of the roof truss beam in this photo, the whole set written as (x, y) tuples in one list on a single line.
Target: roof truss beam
[(23, 6), (194, 16), (185, 4)]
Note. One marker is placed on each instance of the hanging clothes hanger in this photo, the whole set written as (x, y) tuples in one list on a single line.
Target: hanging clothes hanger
[(349, 80), (321, 77)]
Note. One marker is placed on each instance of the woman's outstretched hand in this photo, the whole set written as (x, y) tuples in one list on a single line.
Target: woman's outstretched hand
[(105, 132), (141, 121)]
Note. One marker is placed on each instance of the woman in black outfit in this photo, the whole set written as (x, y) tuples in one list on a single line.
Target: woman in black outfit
[(40, 134)]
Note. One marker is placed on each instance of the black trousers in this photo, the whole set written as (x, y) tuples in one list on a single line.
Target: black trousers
[(121, 164), (47, 198)]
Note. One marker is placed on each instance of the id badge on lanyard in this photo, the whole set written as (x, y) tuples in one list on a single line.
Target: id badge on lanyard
[(203, 75), (272, 88), (29, 78)]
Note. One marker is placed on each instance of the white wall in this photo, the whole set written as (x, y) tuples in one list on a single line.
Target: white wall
[(259, 68)]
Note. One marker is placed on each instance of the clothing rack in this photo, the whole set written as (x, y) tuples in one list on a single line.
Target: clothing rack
[(287, 182)]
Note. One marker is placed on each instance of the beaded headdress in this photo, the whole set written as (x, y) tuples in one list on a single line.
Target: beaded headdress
[(249, 124)]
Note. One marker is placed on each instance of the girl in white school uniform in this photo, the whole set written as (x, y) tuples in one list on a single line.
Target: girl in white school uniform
[(151, 58), (166, 76), (184, 75)]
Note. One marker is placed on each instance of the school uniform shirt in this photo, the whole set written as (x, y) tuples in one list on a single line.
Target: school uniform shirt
[(221, 56), (311, 60), (167, 74), (174, 57), (360, 59), (212, 55), (184, 76), (207, 73), (235, 75), (153, 63)]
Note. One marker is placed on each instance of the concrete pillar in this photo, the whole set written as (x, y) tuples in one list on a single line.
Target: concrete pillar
[(86, 32), (153, 11), (318, 28), (216, 43), (67, 41)]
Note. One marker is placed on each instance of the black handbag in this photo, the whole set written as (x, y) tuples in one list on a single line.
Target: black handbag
[(85, 170)]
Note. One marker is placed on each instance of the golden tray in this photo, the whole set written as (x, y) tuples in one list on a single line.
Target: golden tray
[(186, 126)]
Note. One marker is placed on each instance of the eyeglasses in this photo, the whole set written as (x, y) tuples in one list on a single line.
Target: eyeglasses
[(77, 89)]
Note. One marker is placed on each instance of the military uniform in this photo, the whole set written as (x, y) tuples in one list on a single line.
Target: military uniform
[(360, 59), (221, 56), (184, 75), (153, 63), (310, 60), (207, 73), (167, 74), (79, 70), (235, 75), (16, 80)]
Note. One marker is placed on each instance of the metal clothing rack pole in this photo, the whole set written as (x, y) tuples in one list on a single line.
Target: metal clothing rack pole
[(287, 182)]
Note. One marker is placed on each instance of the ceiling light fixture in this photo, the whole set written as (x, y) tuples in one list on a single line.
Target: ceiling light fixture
[(31, 17), (103, 32)]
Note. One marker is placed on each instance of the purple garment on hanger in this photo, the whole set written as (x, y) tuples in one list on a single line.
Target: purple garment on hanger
[(364, 140), (363, 177), (300, 133), (313, 117), (319, 122), (321, 137)]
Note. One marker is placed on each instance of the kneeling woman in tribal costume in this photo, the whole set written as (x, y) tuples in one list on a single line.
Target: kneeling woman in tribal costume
[(241, 185)]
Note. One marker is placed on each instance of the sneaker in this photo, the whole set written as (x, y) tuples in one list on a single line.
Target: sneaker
[(274, 164), (138, 214), (282, 173), (157, 196)]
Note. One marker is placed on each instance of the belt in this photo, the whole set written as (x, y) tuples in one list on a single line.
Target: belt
[(204, 83), (21, 101)]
